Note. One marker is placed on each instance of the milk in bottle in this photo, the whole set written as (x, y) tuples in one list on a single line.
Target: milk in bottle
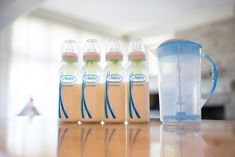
[(115, 91), (138, 84), (92, 87), (69, 90)]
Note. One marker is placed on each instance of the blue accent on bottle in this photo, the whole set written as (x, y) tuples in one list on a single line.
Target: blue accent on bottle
[(60, 104), (107, 103), (83, 102), (131, 103)]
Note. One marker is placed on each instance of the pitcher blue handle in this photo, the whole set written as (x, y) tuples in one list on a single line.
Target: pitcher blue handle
[(213, 77)]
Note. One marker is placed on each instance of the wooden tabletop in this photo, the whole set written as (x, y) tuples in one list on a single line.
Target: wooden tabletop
[(40, 137)]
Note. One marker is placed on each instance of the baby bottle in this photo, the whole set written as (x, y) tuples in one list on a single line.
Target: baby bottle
[(92, 91), (69, 92), (115, 94), (138, 88)]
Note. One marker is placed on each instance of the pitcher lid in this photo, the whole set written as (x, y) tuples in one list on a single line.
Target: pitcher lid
[(179, 41), (178, 46)]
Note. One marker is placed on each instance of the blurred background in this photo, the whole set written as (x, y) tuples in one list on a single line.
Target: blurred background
[(32, 32)]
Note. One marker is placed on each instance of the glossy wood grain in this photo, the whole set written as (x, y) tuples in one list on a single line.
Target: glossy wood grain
[(39, 137)]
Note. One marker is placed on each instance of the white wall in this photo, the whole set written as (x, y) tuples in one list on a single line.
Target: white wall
[(218, 40), (5, 36)]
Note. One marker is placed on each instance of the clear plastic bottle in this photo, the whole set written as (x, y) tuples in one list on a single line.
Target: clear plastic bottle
[(92, 87), (115, 84), (138, 84), (69, 91)]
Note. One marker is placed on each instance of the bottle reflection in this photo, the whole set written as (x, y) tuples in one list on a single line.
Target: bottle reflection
[(110, 140), (138, 140), (84, 140), (68, 140), (181, 140), (91, 140), (115, 140)]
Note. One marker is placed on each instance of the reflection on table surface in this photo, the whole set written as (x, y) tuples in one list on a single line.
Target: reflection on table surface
[(39, 137), (110, 140)]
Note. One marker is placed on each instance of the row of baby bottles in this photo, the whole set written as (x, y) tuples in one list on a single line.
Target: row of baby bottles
[(113, 94)]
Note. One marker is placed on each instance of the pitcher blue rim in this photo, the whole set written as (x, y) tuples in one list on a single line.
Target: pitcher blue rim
[(171, 47), (179, 41)]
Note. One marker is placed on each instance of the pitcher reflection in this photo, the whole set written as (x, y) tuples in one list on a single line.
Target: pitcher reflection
[(138, 140), (181, 141)]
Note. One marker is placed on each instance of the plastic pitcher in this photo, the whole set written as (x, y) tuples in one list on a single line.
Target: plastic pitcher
[(179, 80)]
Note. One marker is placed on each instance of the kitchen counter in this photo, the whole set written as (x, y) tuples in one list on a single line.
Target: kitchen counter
[(40, 137)]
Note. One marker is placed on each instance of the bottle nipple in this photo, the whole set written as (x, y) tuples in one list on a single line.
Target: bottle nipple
[(114, 50), (91, 50), (69, 50), (137, 50)]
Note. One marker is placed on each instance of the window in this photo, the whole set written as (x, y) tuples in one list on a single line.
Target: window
[(35, 60)]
